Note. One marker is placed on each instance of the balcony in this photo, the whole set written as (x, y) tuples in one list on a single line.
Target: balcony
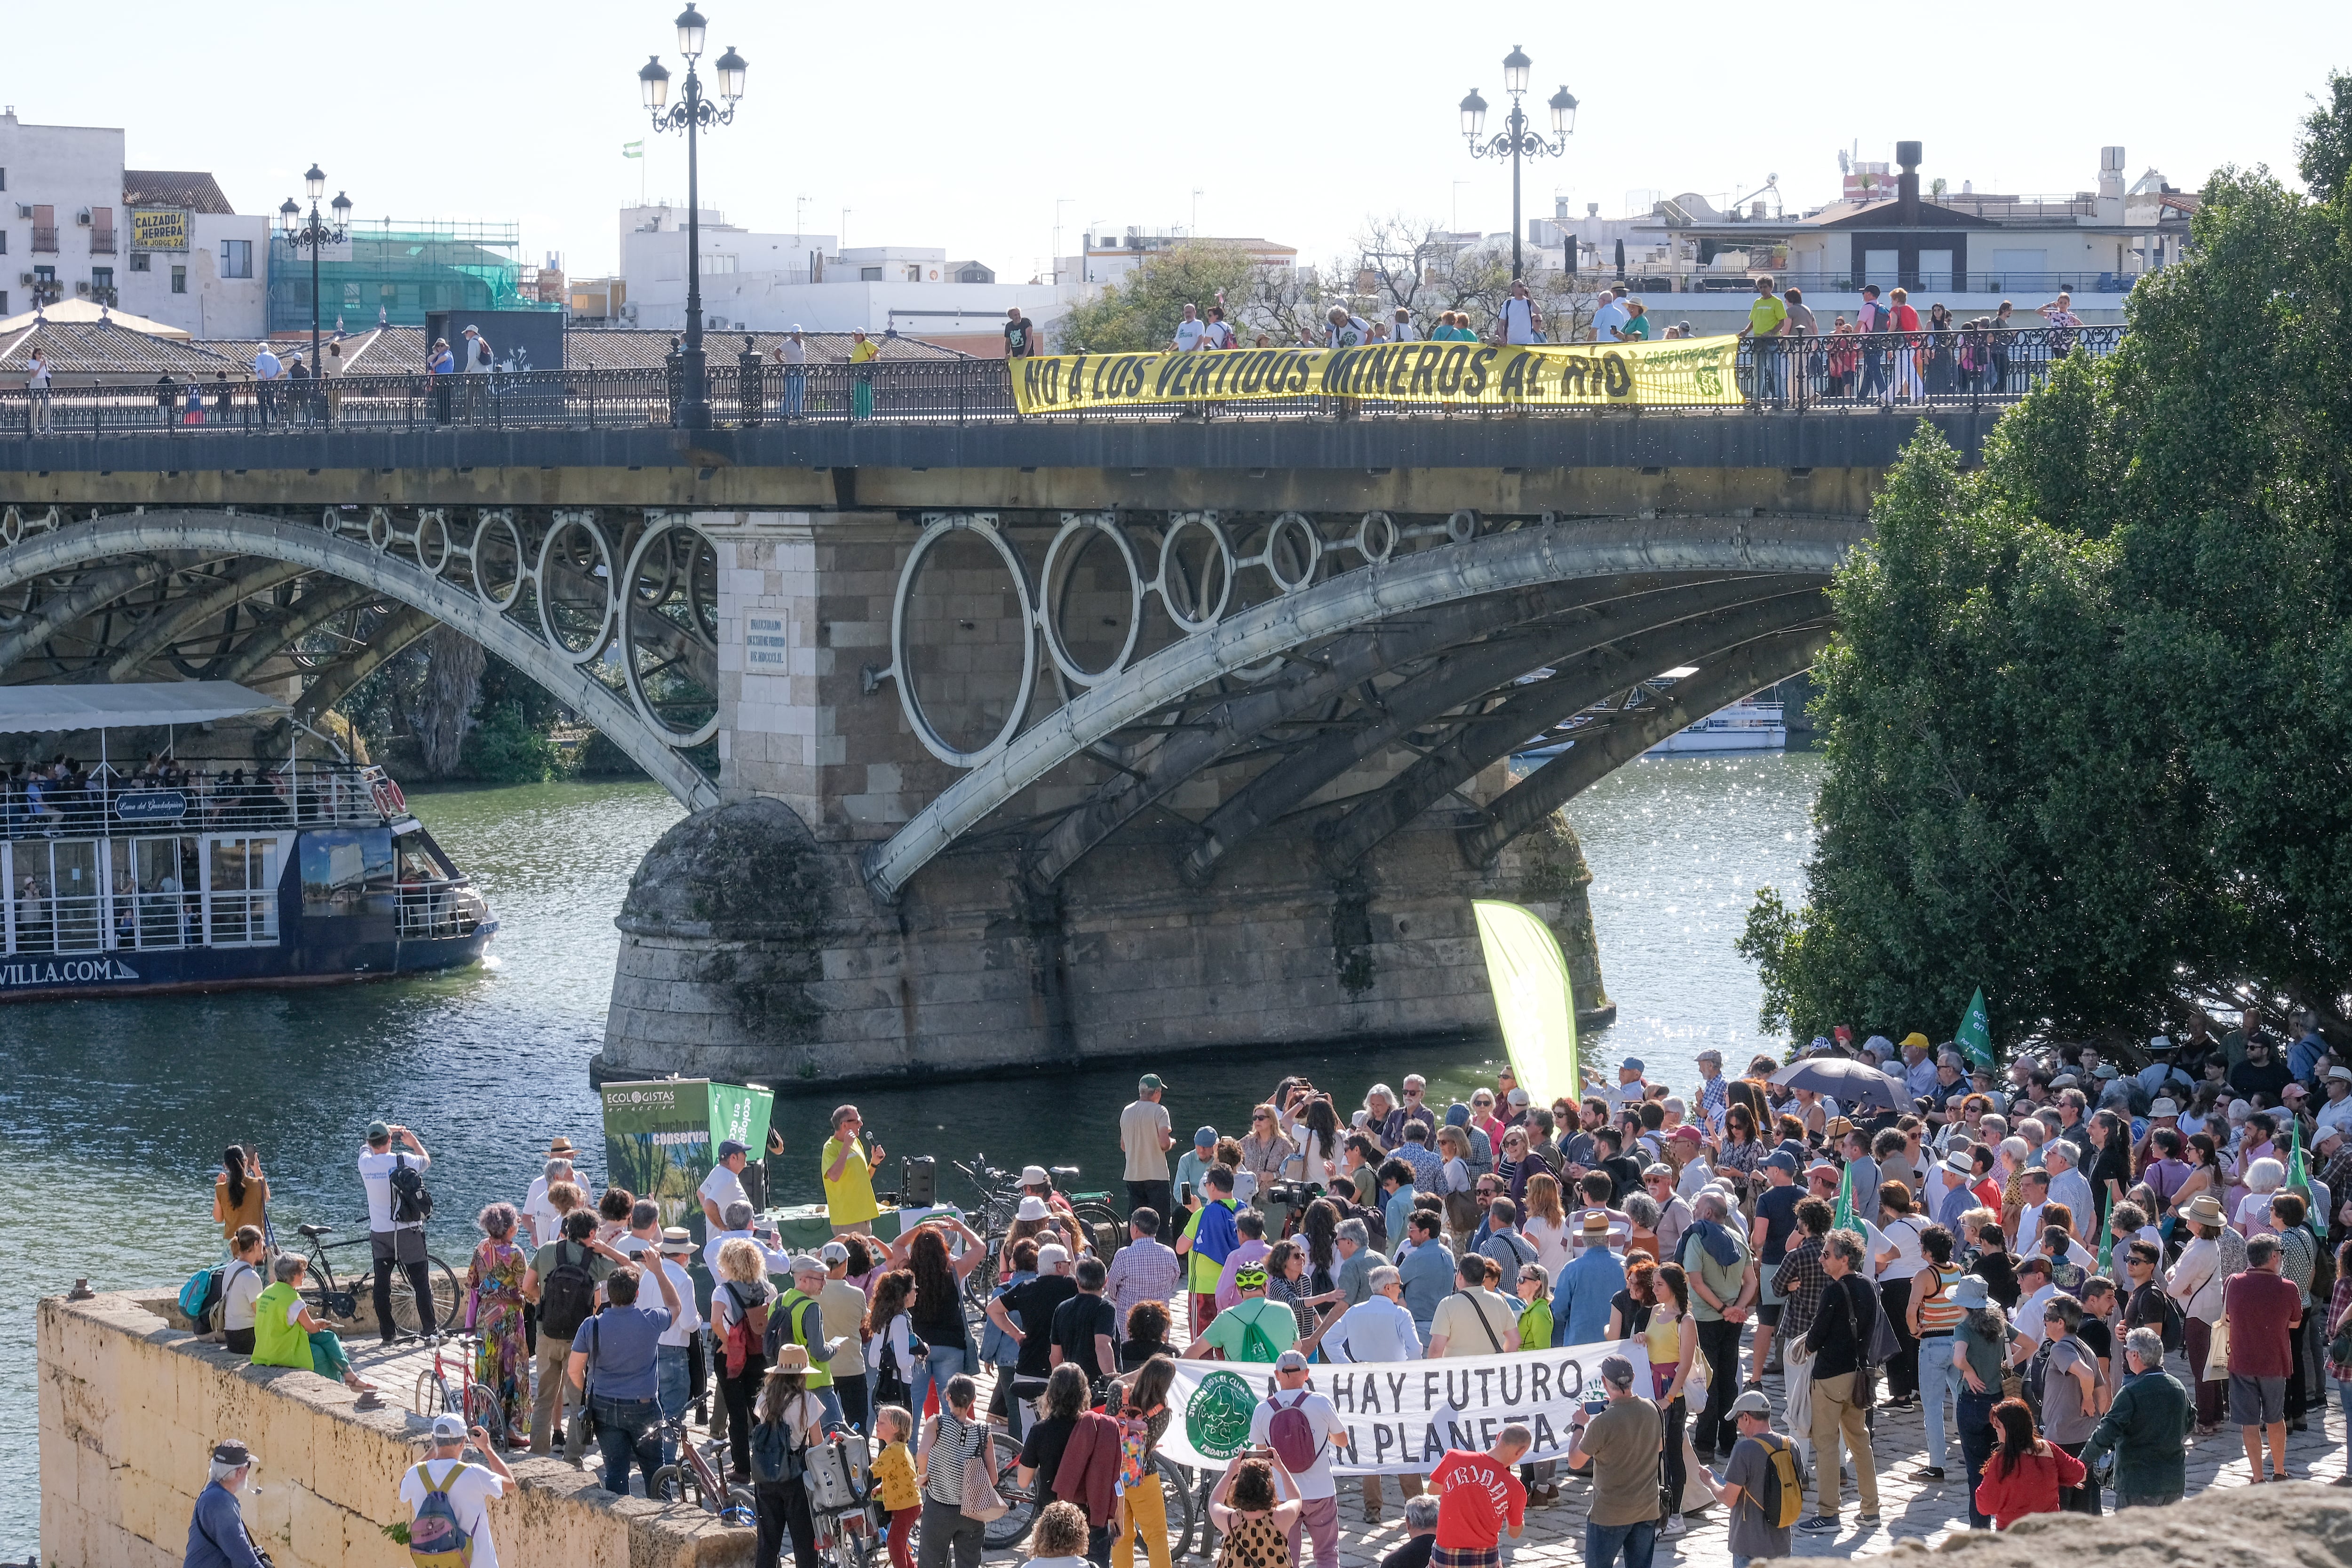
[(101, 244), (44, 241)]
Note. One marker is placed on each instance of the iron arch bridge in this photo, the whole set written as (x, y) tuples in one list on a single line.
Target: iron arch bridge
[(327, 596), (1355, 671)]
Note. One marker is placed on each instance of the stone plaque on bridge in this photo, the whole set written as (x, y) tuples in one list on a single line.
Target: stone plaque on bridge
[(763, 635)]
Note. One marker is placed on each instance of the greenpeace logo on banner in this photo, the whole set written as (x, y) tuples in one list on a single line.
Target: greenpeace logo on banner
[(1402, 1416), (69, 972)]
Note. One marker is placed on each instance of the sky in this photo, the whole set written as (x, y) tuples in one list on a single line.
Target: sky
[(981, 129)]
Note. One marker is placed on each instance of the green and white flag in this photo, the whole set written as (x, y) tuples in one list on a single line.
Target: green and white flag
[(1844, 1219), (632, 149), (2298, 1174), (1974, 1033)]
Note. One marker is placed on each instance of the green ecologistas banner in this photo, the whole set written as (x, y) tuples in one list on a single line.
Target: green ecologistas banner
[(660, 1137)]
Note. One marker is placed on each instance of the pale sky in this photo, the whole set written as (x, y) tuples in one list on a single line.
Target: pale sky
[(963, 126)]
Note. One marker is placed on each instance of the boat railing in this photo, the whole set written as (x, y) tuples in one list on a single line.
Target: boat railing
[(201, 796), (440, 909)]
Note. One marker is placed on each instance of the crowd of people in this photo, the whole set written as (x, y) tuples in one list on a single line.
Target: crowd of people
[(2070, 1269)]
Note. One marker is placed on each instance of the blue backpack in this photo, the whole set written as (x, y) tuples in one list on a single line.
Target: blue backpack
[(776, 1457), (200, 1298), (436, 1538)]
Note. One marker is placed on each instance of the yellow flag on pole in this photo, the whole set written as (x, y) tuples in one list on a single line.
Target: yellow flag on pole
[(1532, 997)]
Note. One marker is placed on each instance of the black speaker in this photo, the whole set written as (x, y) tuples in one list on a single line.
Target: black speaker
[(918, 1182)]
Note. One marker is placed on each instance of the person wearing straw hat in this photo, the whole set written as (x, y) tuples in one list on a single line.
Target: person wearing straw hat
[(2198, 1281), (1581, 1297)]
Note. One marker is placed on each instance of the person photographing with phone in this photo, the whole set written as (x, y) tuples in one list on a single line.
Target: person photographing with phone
[(1621, 1441)]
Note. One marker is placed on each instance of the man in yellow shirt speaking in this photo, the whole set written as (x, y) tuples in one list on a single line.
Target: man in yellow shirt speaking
[(848, 1172)]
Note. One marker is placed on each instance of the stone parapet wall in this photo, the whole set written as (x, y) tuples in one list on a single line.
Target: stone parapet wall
[(130, 1408)]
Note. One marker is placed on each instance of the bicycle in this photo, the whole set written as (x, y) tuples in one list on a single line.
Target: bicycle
[(330, 1298), (999, 1203), (1176, 1491), (436, 1394), (694, 1478)]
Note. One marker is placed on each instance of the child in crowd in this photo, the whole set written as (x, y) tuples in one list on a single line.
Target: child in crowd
[(894, 1475)]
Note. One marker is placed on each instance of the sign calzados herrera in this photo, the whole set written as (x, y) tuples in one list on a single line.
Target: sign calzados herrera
[(1401, 1415), (1695, 371)]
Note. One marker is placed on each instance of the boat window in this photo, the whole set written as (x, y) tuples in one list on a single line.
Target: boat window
[(59, 902), (347, 872), (421, 861), (156, 901), (241, 879)]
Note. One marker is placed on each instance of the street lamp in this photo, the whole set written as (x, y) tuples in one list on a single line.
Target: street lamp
[(1516, 140), (315, 237), (693, 113)]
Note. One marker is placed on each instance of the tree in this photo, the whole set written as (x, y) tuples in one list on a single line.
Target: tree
[(1141, 311), (2089, 710)]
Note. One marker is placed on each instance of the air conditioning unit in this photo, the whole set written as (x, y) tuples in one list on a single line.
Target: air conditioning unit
[(23, 210), (629, 312), (82, 218)]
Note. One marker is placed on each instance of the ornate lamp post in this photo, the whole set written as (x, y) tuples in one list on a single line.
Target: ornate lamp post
[(692, 113), (1516, 140), (315, 236)]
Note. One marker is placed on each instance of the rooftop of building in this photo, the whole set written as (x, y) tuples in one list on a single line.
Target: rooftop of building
[(111, 349), (195, 191)]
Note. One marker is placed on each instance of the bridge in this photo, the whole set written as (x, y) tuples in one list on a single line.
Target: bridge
[(1006, 740)]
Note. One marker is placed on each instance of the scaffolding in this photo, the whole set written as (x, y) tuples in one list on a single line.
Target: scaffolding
[(394, 270)]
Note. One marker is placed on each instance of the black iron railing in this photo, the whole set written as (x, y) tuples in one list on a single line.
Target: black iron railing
[(1958, 366)]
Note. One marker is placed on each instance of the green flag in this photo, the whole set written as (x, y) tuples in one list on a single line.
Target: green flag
[(1974, 1033), (1844, 1219), (2298, 1175), (2106, 1246), (632, 149)]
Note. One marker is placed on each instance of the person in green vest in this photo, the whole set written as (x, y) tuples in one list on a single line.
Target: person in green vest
[(284, 1334), (1535, 1313), (1253, 1329), (804, 1324)]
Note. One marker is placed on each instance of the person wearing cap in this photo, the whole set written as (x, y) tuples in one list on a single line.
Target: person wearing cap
[(1144, 1138), (1919, 1065), (1193, 1170), (217, 1533), (1589, 1282), (394, 1242), (1319, 1494), (1751, 1532), (1253, 1329), (1036, 1300), (1713, 1097), (1209, 1239), (802, 1308), (723, 1187), (470, 1487), (792, 354), (847, 1168), (1630, 1088), (1621, 1446), (1769, 1237), (611, 1366), (841, 1306)]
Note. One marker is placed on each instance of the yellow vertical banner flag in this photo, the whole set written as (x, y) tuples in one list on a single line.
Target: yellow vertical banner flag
[(1532, 997)]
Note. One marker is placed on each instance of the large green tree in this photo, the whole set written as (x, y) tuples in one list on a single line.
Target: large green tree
[(2089, 712), (1141, 312)]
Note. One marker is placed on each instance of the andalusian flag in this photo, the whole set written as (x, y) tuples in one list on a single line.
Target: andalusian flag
[(2298, 1175), (632, 149), (1532, 997), (1974, 1033), (1844, 1219)]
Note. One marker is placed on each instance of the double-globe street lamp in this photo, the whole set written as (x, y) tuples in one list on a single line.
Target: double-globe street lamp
[(315, 234), (1516, 140), (693, 113)]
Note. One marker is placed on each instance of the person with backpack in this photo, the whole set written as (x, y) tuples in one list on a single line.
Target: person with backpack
[(2144, 1427), (242, 1282), (1253, 1329), (449, 1498), (562, 1279), (1762, 1487), (217, 1533), (1302, 1428), (740, 1299), (791, 1420), (612, 1365), (798, 1319), (398, 1207)]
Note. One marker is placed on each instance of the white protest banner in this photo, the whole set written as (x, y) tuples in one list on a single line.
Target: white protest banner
[(1402, 1416)]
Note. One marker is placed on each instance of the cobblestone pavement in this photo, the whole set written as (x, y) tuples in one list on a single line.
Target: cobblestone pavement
[(1909, 1511)]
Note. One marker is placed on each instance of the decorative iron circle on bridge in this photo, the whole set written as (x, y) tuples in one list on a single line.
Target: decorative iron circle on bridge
[(1061, 556), (1178, 592), (668, 616), (903, 668)]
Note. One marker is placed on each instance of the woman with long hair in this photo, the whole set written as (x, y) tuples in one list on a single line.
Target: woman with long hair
[(1743, 1150), (1059, 1409), (240, 1195), (1319, 1237), (1629, 1310), (1672, 1339), (936, 1313), (2025, 1474), (782, 1506), (1247, 1511), (494, 1286), (1545, 1222), (891, 1344), (1317, 1164), (742, 1291), (1139, 1404)]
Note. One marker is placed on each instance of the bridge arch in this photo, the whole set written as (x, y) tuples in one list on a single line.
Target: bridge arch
[(378, 552), (1651, 592)]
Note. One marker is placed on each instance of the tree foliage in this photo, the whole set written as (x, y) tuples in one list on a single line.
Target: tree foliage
[(1141, 311), (2089, 710)]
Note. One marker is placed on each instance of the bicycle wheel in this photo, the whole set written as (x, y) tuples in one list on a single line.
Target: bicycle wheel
[(432, 1397), (487, 1413), (1004, 1461), (1176, 1495), (1103, 1226), (404, 1315), (665, 1485)]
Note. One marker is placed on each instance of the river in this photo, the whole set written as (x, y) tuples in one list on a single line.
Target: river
[(113, 1114)]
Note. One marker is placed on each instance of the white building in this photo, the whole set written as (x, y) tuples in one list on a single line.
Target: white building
[(1107, 257), (165, 244), (764, 282)]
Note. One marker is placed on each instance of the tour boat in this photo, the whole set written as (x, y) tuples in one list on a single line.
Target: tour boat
[(208, 865), (1745, 726)]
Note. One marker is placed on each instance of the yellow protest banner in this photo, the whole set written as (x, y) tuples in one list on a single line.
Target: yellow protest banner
[(1692, 371), (159, 228)]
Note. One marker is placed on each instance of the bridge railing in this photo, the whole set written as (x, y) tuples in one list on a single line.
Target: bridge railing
[(1963, 367)]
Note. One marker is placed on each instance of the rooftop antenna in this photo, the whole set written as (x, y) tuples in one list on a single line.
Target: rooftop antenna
[(800, 217)]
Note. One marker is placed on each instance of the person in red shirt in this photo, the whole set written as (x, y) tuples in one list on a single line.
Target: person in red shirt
[(1478, 1497), (2025, 1474), (2263, 1308)]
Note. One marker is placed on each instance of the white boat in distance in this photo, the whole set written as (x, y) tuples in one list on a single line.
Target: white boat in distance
[(1747, 725)]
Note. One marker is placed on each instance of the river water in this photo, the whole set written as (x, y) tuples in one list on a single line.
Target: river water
[(113, 1114)]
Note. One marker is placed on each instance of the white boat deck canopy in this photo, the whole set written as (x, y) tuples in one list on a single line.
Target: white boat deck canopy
[(42, 709)]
